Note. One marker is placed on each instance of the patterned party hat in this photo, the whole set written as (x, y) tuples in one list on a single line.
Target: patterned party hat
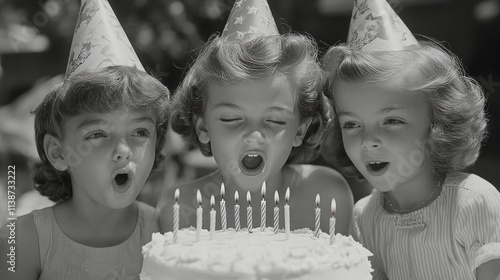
[(376, 27), (249, 18), (99, 40)]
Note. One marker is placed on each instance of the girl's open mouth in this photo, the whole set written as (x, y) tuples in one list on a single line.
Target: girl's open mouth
[(376, 168), (121, 182), (252, 164)]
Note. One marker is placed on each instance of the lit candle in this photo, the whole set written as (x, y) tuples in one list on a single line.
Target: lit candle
[(332, 221), (263, 207), (317, 216), (249, 212), (276, 213), (212, 217), (199, 216), (176, 216), (223, 207), (236, 211), (287, 213)]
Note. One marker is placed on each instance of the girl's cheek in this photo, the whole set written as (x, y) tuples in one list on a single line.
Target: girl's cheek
[(350, 145), (147, 146), (280, 135), (346, 138)]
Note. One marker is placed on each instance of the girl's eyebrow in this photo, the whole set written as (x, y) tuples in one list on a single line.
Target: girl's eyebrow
[(284, 109), (228, 105), (143, 119), (385, 110), (342, 113), (393, 108), (89, 122)]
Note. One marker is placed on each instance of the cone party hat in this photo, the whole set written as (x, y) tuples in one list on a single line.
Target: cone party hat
[(376, 27), (99, 40), (249, 18)]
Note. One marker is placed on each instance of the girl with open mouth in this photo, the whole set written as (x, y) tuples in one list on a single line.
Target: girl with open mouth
[(253, 101), (99, 135), (410, 122)]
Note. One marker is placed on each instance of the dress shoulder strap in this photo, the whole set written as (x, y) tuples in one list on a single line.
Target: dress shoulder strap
[(44, 220)]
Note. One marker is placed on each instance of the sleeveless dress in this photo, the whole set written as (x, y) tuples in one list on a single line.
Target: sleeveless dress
[(63, 258), (447, 239)]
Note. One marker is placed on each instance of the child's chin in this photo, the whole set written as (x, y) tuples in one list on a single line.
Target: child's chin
[(380, 185), (383, 188), (251, 183), (119, 204)]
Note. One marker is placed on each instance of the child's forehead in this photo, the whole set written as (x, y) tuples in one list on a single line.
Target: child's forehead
[(266, 91), (277, 80), (368, 97), (123, 116)]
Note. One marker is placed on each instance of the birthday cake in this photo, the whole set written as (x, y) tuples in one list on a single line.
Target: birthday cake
[(254, 256)]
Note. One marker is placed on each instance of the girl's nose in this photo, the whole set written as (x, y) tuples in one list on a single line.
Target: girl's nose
[(370, 146), (122, 152), (370, 142), (254, 138)]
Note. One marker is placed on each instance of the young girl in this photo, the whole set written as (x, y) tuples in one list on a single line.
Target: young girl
[(98, 136), (256, 106), (410, 121)]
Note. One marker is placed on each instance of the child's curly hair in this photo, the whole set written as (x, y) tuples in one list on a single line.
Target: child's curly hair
[(99, 91), (231, 62), (458, 121)]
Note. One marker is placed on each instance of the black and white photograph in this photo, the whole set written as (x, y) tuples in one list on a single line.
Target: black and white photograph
[(250, 139)]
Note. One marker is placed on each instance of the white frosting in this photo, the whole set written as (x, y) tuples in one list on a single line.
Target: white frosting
[(252, 256)]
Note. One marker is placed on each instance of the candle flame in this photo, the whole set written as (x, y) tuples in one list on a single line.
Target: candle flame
[(249, 198), (212, 201), (287, 195), (263, 190), (317, 200), (222, 190), (198, 197), (276, 198), (334, 206), (177, 194), (236, 197)]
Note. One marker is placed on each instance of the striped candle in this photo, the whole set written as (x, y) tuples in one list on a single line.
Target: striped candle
[(317, 213), (287, 213), (212, 217), (249, 213), (199, 217), (223, 207), (236, 212), (332, 221), (276, 213), (263, 207), (176, 216)]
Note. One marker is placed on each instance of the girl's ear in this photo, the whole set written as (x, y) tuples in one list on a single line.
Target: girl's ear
[(54, 152), (301, 132), (201, 130)]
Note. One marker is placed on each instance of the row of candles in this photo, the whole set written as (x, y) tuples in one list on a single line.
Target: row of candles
[(199, 214)]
